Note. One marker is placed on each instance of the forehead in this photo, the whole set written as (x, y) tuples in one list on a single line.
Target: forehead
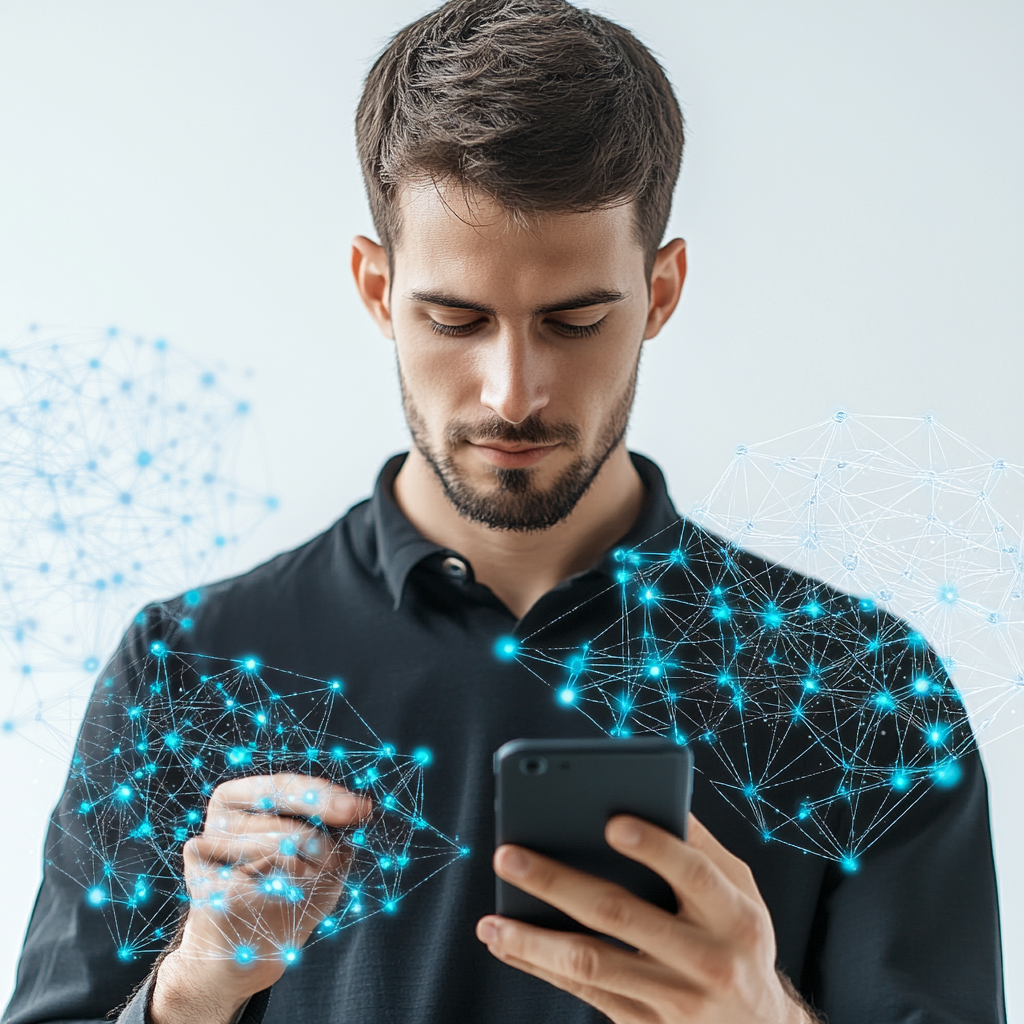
[(464, 240)]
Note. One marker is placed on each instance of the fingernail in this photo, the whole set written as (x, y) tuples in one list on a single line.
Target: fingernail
[(515, 862), (488, 932), (628, 833)]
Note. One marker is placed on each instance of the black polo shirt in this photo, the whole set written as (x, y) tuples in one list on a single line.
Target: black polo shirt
[(910, 936)]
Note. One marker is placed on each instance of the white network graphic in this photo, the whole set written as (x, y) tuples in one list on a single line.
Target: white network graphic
[(119, 458), (909, 514), (817, 684)]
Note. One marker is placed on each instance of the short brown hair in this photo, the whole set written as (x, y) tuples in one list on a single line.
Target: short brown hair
[(538, 104)]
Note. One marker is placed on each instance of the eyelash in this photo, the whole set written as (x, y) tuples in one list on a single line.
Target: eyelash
[(570, 330)]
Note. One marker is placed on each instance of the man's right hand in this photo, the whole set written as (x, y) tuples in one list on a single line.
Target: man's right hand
[(262, 875)]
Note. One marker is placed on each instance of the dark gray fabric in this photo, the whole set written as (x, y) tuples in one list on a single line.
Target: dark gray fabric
[(910, 938)]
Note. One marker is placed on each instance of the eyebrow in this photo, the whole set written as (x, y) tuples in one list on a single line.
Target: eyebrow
[(595, 298)]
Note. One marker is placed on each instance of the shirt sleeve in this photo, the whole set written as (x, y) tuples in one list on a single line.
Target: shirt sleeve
[(137, 1011), (912, 937), (73, 965)]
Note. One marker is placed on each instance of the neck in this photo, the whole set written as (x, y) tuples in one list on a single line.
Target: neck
[(521, 567)]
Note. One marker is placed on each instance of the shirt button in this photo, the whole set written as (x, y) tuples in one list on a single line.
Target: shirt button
[(455, 567)]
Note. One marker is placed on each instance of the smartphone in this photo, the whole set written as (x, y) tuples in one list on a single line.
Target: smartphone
[(556, 796)]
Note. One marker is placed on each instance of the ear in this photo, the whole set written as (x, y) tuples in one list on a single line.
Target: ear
[(373, 280), (667, 279)]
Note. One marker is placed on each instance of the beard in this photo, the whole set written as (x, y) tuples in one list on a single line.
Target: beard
[(515, 502)]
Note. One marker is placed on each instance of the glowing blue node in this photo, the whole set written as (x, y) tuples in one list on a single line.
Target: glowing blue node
[(144, 458), (125, 953), (244, 955), (947, 594), (849, 864), (421, 755), (328, 925), (390, 907), (91, 664), (96, 897), (290, 955), (900, 781), (884, 701), (157, 649), (250, 664), (922, 685), (566, 695), (192, 598), (506, 648), (947, 774), (335, 685), (237, 756), (937, 734)]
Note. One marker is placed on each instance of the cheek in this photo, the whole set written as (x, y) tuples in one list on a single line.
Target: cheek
[(438, 375)]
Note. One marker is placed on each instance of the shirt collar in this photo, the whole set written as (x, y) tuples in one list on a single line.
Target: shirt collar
[(401, 547)]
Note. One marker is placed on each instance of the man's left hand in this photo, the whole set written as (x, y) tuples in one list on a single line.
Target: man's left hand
[(712, 961)]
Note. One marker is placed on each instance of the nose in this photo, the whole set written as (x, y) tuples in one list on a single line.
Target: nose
[(514, 384)]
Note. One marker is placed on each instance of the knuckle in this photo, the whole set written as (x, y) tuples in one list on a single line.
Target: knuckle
[(751, 926), (702, 875), (582, 962), (611, 910)]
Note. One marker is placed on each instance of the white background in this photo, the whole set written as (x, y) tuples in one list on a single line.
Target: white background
[(851, 197)]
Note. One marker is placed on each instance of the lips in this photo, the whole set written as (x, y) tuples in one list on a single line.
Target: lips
[(514, 456)]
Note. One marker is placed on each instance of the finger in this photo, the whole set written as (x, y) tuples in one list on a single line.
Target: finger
[(315, 849), (576, 963), (240, 825), (606, 908), (706, 895), (735, 870), (616, 1008), (289, 794)]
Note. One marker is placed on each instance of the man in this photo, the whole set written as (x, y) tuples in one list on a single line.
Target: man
[(520, 158)]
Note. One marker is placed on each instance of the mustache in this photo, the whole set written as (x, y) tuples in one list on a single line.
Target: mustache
[(532, 430)]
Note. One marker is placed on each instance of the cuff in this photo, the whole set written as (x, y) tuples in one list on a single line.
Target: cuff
[(137, 1010)]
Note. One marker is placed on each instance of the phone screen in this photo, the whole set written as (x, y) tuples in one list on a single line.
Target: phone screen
[(556, 796)]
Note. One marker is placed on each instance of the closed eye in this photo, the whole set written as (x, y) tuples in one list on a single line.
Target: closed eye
[(454, 330), (560, 326), (578, 330)]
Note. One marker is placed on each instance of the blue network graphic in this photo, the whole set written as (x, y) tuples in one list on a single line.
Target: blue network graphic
[(816, 683), (119, 483), (165, 730)]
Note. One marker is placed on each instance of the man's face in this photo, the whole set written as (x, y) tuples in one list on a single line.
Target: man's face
[(518, 348)]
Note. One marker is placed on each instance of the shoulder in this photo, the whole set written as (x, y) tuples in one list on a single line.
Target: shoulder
[(273, 595)]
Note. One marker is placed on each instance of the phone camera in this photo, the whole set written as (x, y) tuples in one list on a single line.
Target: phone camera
[(533, 765)]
